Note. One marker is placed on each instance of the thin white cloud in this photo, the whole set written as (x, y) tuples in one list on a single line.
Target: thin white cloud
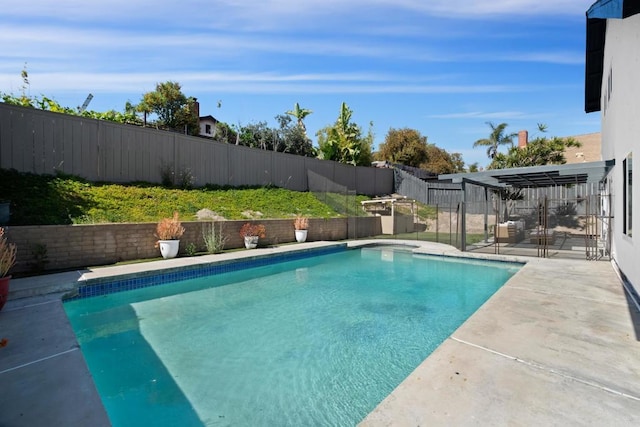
[(568, 58), (482, 115), (259, 83), (54, 42), (471, 8), (262, 14)]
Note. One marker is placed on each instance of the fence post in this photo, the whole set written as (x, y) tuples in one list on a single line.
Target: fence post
[(463, 218), (486, 215), (437, 224)]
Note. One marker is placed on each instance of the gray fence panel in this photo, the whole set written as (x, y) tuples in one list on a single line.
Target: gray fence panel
[(164, 154), (345, 175), (111, 151), (138, 149), (365, 180), (384, 182), (317, 168), (249, 166), (147, 168), (35, 146), (195, 159), (57, 156), (218, 166), (6, 143), (198, 157), (85, 150), (41, 133), (22, 140), (370, 181), (75, 162), (51, 144), (134, 143), (67, 147), (288, 171), (319, 183), (410, 186)]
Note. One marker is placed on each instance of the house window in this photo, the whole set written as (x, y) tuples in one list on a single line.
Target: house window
[(607, 90), (627, 192), (207, 129)]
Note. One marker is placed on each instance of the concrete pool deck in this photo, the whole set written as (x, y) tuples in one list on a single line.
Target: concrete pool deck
[(558, 344)]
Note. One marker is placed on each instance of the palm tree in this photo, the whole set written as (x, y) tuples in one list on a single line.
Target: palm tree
[(496, 138), (300, 114)]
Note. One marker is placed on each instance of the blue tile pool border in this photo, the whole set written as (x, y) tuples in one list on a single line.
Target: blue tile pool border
[(103, 286)]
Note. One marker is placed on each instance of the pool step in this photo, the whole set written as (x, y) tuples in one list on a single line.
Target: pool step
[(42, 285)]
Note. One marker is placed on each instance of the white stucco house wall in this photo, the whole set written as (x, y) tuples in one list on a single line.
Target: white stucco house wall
[(208, 126), (612, 88)]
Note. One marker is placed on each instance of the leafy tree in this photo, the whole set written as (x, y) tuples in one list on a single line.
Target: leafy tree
[(343, 142), (440, 161), (174, 109), (473, 167), (257, 135), (496, 138), (293, 139), (299, 114), (224, 133), (539, 151), (287, 138), (410, 148), (404, 146)]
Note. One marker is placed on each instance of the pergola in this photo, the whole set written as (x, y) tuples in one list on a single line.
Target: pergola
[(392, 221), (528, 177)]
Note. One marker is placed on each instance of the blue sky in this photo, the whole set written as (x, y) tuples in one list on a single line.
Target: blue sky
[(442, 67)]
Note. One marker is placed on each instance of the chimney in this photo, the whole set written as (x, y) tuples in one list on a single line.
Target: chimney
[(523, 138), (196, 108)]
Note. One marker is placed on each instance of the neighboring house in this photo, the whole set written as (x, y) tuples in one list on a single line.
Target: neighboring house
[(208, 126), (612, 87), (590, 149)]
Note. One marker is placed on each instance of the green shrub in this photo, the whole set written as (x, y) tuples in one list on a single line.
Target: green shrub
[(214, 240)]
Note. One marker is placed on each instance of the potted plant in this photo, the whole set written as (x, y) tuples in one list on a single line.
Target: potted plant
[(301, 225), (251, 233), (7, 260), (168, 232)]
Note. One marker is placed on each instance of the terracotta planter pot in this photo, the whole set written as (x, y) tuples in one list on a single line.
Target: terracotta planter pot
[(4, 290)]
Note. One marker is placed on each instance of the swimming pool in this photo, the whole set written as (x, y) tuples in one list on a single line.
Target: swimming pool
[(313, 341)]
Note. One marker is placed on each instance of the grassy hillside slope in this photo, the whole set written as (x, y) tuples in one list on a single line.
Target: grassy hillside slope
[(63, 199)]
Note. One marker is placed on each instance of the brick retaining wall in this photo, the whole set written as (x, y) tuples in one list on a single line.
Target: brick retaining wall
[(80, 246)]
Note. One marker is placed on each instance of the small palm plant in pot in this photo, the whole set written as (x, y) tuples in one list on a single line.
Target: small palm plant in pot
[(301, 225), (7, 260), (252, 233), (168, 232)]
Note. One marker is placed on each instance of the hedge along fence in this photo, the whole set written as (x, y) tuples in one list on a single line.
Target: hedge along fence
[(46, 248)]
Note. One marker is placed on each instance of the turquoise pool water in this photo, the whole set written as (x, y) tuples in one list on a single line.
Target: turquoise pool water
[(313, 342)]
